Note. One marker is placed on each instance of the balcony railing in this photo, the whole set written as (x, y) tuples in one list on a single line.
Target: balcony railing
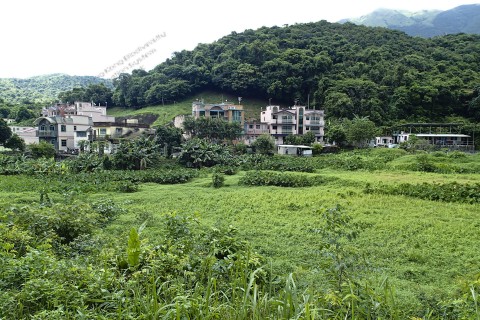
[(100, 137), (46, 133), (285, 121), (315, 123)]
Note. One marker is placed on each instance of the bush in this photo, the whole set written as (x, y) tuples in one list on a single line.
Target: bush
[(447, 192), (198, 153), (267, 178), (42, 150), (317, 149), (127, 186), (218, 179)]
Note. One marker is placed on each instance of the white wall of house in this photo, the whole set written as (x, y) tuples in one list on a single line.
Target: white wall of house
[(295, 120), (28, 134)]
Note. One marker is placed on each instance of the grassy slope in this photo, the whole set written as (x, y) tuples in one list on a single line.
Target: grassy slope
[(167, 112), (423, 247)]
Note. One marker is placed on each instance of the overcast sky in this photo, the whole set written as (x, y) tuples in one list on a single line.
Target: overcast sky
[(103, 37)]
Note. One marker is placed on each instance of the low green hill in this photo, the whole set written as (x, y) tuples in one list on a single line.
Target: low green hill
[(43, 89)]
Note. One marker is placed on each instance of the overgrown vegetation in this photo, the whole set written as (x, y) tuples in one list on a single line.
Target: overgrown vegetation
[(318, 237)]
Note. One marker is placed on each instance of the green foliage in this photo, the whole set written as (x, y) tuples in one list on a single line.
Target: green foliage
[(415, 143), (167, 138), (5, 132), (42, 149), (127, 186), (336, 133), (360, 131), (266, 178), (264, 144), (97, 93), (135, 154), (15, 143), (197, 153), (133, 249), (306, 139), (317, 149), (277, 163), (218, 179), (212, 129), (24, 114), (447, 192), (44, 89), (338, 231)]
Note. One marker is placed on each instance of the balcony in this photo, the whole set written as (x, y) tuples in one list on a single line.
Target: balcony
[(314, 123), (285, 121), (105, 137), (46, 133)]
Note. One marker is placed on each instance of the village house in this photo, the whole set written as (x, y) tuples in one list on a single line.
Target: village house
[(227, 111), (28, 134), (296, 120), (64, 132), (109, 134), (67, 125)]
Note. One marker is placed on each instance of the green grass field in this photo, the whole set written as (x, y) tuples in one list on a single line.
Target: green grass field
[(425, 248)]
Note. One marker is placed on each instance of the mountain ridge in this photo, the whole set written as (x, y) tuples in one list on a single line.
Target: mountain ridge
[(424, 23)]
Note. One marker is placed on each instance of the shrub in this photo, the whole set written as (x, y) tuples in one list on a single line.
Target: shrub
[(447, 192), (127, 186), (198, 153), (42, 150), (317, 149), (264, 144), (218, 179), (268, 178)]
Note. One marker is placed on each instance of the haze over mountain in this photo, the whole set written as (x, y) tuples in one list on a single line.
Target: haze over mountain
[(426, 23)]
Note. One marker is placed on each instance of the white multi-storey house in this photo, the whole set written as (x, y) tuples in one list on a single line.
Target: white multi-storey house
[(296, 120)]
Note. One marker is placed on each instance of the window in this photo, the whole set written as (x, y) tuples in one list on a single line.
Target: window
[(74, 128), (103, 132), (52, 128), (42, 128), (64, 143), (257, 126), (274, 127), (81, 134), (250, 126), (118, 130), (63, 128)]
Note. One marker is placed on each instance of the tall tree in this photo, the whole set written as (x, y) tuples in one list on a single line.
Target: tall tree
[(5, 131), (360, 131)]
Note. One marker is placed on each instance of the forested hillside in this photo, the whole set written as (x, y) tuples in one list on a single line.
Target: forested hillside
[(43, 88), (343, 68)]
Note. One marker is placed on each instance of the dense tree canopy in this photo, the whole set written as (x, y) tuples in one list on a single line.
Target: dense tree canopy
[(96, 93), (43, 89), (345, 69)]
